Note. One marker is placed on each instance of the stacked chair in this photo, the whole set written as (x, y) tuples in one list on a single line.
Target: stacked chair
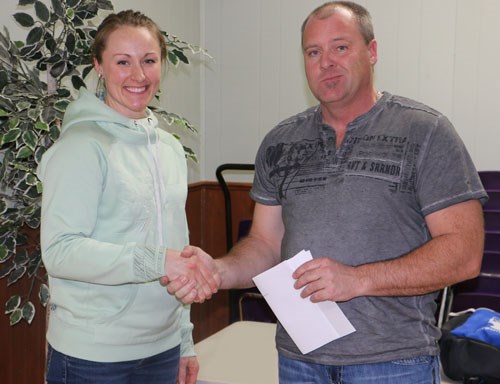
[(244, 304), (484, 291)]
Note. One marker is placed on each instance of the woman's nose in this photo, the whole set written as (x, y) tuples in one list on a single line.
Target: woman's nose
[(138, 73)]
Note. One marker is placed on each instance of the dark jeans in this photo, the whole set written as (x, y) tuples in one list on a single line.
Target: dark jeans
[(418, 370), (159, 369)]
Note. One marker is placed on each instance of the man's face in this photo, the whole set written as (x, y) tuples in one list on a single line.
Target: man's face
[(338, 63)]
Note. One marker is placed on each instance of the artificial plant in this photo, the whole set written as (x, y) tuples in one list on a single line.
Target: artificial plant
[(38, 79)]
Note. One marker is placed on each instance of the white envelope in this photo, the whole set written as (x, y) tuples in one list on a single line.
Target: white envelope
[(310, 325)]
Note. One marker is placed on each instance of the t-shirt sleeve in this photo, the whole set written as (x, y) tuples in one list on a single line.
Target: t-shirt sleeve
[(263, 189), (446, 173)]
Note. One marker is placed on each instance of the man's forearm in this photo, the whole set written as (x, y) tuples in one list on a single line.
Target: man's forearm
[(247, 258)]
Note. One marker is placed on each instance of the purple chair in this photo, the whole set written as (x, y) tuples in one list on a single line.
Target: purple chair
[(484, 291)]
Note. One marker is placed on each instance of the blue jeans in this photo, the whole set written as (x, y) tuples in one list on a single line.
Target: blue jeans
[(418, 370), (64, 369)]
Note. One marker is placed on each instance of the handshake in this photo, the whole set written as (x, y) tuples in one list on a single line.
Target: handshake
[(191, 275)]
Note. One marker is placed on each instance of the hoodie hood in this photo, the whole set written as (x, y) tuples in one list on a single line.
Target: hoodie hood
[(88, 108)]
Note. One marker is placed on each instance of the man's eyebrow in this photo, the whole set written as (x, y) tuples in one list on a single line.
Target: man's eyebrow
[(333, 40)]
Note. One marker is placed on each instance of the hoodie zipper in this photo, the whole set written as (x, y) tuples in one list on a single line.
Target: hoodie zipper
[(155, 168)]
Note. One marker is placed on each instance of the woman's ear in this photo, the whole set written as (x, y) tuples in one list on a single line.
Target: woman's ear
[(97, 67)]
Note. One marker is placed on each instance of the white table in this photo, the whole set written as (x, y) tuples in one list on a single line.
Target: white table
[(242, 353)]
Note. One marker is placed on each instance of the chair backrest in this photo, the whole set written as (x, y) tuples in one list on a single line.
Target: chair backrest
[(484, 291), (219, 173), (490, 180)]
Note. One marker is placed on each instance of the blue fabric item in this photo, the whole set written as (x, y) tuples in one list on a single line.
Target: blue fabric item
[(483, 325)]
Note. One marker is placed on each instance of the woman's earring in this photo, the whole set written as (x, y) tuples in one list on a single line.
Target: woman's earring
[(100, 91)]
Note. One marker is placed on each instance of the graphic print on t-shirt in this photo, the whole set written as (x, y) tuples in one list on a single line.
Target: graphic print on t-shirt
[(302, 166)]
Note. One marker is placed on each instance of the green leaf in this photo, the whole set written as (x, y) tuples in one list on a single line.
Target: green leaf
[(182, 57), (7, 269), (70, 42), (28, 312), (10, 243), (3, 209), (61, 105), (24, 152), (15, 317), (23, 105), (87, 70), (41, 126), (33, 221), (14, 122), (34, 36), (16, 274), (58, 68), (24, 19), (3, 113), (190, 154), (12, 304), (42, 12), (70, 13), (21, 257), (44, 294), (29, 50), (31, 179), (54, 132), (77, 82), (105, 4), (30, 139), (38, 157), (58, 8), (11, 136), (50, 42), (4, 78), (172, 58), (34, 113), (72, 3), (35, 263), (4, 252), (63, 92)]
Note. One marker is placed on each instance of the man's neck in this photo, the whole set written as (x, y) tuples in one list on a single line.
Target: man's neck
[(338, 115)]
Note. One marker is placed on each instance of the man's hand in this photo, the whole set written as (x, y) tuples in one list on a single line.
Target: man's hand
[(188, 370), (324, 279), (191, 275)]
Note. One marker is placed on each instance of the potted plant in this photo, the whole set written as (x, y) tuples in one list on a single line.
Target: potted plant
[(38, 79)]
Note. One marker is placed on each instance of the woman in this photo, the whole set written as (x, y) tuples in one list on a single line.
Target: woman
[(112, 215)]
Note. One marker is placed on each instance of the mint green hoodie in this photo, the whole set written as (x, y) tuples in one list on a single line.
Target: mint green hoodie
[(113, 202)]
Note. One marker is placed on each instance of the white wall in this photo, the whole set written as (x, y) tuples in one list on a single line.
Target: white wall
[(444, 53)]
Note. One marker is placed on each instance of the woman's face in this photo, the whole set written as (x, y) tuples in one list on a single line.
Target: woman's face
[(131, 67)]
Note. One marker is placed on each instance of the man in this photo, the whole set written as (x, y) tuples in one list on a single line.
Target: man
[(382, 191)]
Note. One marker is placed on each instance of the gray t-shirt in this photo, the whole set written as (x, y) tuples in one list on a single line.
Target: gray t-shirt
[(363, 202)]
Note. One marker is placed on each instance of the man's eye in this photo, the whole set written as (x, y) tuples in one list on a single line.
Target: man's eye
[(122, 62), (313, 53)]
